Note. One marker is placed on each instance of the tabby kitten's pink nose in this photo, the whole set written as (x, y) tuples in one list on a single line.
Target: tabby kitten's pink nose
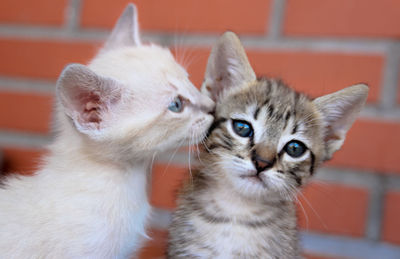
[(261, 163)]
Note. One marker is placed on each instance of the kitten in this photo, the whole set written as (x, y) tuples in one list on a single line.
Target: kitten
[(265, 143), (89, 200)]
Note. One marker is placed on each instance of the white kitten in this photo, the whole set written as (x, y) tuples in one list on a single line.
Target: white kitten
[(90, 198)]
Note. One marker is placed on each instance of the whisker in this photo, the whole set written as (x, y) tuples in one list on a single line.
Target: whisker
[(189, 158), (314, 211), (191, 59), (152, 159), (303, 210), (172, 156), (204, 142)]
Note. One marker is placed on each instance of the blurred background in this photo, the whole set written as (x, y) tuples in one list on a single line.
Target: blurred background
[(350, 210)]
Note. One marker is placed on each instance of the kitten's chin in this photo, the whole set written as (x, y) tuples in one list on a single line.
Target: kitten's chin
[(261, 186), (250, 186), (254, 179)]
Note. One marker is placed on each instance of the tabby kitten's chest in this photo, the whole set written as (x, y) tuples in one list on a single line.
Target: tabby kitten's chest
[(215, 232)]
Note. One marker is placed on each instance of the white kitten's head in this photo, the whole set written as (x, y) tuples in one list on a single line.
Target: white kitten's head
[(132, 99)]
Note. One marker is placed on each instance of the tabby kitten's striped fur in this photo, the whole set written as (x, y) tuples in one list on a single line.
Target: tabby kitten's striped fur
[(265, 143)]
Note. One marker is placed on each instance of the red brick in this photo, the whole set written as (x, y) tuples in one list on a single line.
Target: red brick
[(156, 247), (194, 60), (314, 73), (41, 58), (348, 18), (333, 208), (321, 73), (166, 182), (21, 161), (391, 223), (25, 112), (184, 16), (49, 12), (371, 145)]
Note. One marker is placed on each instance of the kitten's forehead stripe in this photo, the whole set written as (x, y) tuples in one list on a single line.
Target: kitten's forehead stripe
[(287, 117), (266, 102), (256, 113), (270, 110), (294, 130)]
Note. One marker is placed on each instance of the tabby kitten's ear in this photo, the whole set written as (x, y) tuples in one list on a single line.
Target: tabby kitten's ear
[(227, 66), (126, 31), (87, 98), (339, 110)]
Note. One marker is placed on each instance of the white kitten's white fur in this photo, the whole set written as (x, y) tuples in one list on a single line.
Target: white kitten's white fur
[(89, 200)]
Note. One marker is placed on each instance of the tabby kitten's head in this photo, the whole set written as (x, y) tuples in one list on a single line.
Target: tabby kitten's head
[(267, 139), (132, 99)]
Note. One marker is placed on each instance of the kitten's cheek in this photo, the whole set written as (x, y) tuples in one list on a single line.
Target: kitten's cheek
[(209, 122), (201, 126)]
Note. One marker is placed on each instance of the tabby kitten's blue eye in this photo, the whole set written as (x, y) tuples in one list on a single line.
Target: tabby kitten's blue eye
[(295, 148), (176, 105), (242, 128)]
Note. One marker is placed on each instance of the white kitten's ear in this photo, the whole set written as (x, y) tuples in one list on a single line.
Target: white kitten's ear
[(339, 110), (126, 31), (227, 66), (87, 98)]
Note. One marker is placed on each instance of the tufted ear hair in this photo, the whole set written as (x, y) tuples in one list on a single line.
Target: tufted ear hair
[(227, 66), (339, 110), (87, 98), (126, 31)]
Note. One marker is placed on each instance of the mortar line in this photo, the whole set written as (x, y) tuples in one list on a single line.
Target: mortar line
[(347, 247), (276, 19), (358, 177), (390, 76), (24, 139), (160, 218), (381, 114), (352, 46), (72, 15), (375, 209), (25, 85)]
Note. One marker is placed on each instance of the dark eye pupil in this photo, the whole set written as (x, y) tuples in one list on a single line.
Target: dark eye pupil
[(176, 105), (295, 148), (243, 129)]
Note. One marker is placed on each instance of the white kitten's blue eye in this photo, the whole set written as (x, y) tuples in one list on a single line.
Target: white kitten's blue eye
[(295, 148), (176, 105), (242, 128)]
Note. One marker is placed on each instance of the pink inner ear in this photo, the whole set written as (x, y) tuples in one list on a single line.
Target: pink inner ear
[(91, 112), (90, 107)]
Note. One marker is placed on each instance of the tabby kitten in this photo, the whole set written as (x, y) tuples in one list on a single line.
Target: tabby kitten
[(265, 143)]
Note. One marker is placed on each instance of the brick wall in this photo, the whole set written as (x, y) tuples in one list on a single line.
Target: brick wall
[(351, 209)]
